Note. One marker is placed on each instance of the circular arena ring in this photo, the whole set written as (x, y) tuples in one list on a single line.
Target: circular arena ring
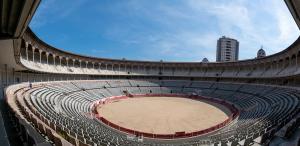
[(74, 111), (160, 115)]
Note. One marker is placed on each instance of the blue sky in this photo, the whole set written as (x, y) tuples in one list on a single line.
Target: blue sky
[(172, 30)]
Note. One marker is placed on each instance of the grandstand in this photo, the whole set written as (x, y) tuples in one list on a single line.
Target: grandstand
[(50, 96)]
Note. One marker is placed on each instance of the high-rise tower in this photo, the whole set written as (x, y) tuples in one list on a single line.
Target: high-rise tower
[(227, 49)]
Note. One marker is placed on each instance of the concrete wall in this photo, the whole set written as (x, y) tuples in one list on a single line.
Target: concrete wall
[(7, 78), (2, 82), (1, 86)]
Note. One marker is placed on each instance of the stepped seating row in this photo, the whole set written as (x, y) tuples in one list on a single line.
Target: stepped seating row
[(263, 110)]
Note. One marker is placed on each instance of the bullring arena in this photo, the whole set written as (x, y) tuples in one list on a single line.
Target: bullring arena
[(51, 97), (164, 115)]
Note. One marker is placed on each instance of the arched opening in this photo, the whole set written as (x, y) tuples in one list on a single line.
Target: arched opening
[(23, 49), (30, 52), (51, 59), (44, 58)]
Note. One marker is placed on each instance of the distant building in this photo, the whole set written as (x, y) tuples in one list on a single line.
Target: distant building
[(205, 60), (261, 53), (227, 49)]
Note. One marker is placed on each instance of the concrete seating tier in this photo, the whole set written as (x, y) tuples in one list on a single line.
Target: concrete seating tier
[(68, 107)]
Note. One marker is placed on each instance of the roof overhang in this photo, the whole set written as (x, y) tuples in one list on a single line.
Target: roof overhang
[(15, 16), (294, 7)]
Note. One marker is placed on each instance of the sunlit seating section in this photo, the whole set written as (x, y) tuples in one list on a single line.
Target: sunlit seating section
[(263, 110)]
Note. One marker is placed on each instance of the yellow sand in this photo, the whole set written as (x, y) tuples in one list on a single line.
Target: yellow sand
[(164, 115)]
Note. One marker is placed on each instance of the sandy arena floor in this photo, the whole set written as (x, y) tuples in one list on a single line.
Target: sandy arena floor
[(164, 115)]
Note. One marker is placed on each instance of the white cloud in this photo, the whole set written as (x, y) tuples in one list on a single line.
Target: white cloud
[(240, 19), (53, 10), (237, 19), (188, 30)]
